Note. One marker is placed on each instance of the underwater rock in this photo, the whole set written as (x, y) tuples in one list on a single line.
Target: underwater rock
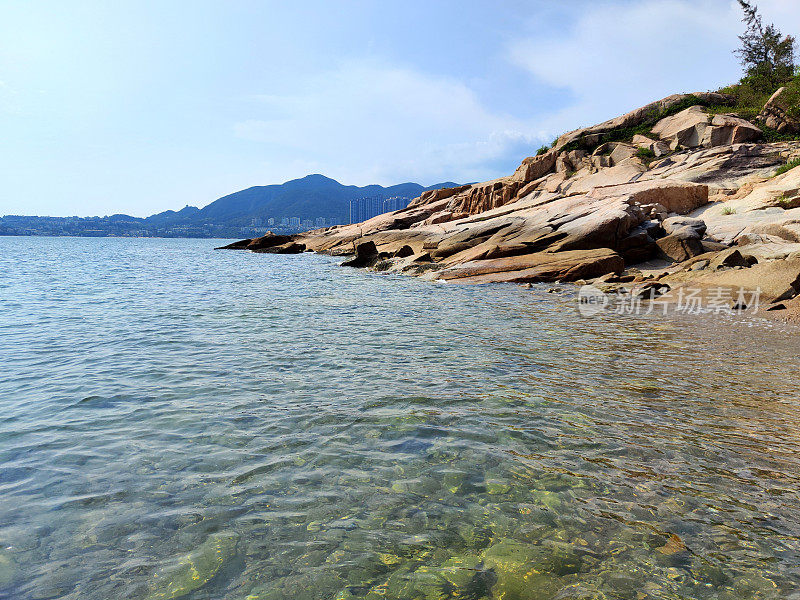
[(8, 570), (301, 587), (549, 499), (521, 570), (460, 570), (494, 486), (453, 480), (673, 546), (195, 569)]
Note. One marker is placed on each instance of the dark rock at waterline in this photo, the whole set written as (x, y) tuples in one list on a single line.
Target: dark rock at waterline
[(268, 240), (366, 256), (240, 245), (290, 247)]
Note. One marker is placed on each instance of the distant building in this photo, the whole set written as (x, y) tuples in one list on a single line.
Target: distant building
[(270, 222), (395, 203), (294, 222), (363, 209), (320, 222)]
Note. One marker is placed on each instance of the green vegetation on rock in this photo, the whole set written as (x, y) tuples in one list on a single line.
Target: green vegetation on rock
[(788, 166)]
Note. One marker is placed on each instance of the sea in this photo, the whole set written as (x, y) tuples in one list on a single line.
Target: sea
[(179, 422)]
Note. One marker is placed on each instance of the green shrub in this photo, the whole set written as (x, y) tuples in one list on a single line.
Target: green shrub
[(728, 210), (645, 154), (788, 166), (542, 150)]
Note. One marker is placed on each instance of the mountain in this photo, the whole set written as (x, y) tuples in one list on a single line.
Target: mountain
[(314, 198), (307, 198)]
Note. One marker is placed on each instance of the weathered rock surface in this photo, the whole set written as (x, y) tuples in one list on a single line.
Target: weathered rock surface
[(705, 195), (683, 244), (694, 127), (639, 116), (775, 114)]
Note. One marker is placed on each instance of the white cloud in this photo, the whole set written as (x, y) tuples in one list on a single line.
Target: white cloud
[(369, 122), (374, 122), (618, 56)]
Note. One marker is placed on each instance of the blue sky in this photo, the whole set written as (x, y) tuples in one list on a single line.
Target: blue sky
[(142, 106)]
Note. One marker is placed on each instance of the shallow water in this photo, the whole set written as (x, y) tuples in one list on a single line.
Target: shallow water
[(182, 423)]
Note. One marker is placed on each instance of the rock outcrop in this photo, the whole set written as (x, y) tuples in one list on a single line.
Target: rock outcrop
[(694, 127), (775, 114), (679, 183)]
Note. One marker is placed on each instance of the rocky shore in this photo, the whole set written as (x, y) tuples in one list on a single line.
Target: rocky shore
[(680, 192)]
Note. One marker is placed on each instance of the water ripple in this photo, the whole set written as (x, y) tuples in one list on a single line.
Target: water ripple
[(183, 423)]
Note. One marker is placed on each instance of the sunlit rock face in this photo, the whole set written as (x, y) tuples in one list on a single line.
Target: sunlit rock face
[(594, 203)]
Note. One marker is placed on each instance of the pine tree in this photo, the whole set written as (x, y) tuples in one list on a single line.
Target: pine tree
[(766, 54)]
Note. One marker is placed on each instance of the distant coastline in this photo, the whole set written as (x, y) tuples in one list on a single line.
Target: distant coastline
[(299, 205)]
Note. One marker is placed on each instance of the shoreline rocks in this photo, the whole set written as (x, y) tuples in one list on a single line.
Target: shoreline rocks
[(684, 194)]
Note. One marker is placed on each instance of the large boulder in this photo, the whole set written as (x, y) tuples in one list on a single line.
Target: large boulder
[(685, 129), (675, 224), (366, 255), (657, 147), (621, 153), (535, 167), (726, 130), (539, 266), (269, 240), (590, 135), (775, 281), (775, 113), (681, 245), (674, 196)]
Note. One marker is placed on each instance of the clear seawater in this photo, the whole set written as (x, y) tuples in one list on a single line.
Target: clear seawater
[(179, 422)]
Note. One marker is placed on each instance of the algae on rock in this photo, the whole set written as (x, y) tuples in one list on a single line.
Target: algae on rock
[(195, 569)]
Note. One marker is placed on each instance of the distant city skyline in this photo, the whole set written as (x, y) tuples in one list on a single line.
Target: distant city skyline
[(137, 107)]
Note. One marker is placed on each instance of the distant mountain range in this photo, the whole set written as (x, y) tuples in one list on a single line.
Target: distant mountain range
[(314, 200)]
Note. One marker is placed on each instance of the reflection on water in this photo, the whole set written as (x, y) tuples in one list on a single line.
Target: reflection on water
[(179, 423)]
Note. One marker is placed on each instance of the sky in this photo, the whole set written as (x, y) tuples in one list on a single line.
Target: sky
[(139, 106)]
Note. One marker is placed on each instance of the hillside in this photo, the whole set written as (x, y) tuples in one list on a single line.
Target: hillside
[(307, 198), (242, 213)]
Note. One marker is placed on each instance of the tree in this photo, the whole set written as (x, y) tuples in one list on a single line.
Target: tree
[(766, 54)]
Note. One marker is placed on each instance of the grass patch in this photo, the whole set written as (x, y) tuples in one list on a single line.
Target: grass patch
[(645, 154), (645, 128), (787, 202), (788, 167), (748, 99), (728, 210)]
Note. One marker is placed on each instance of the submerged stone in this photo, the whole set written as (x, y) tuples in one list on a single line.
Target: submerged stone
[(549, 499), (493, 486), (521, 571), (8, 570), (453, 480), (195, 569)]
